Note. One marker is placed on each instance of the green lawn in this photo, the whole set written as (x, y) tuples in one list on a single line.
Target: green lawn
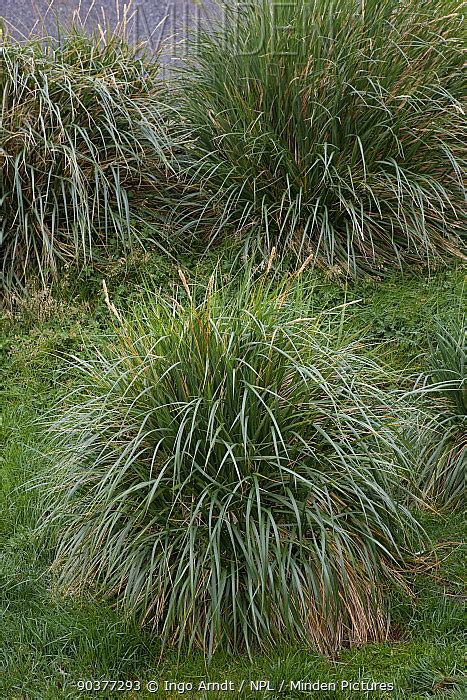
[(49, 642)]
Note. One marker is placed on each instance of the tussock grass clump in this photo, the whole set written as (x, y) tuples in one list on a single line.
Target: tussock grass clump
[(227, 470), (333, 126), (443, 445), (82, 147)]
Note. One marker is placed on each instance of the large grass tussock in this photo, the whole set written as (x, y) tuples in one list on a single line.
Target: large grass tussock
[(228, 471), (82, 148), (333, 126), (442, 445)]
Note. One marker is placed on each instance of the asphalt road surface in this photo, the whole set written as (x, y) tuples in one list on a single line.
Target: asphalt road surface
[(162, 23)]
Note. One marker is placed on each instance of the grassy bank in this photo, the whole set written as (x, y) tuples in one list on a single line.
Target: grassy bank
[(49, 642)]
